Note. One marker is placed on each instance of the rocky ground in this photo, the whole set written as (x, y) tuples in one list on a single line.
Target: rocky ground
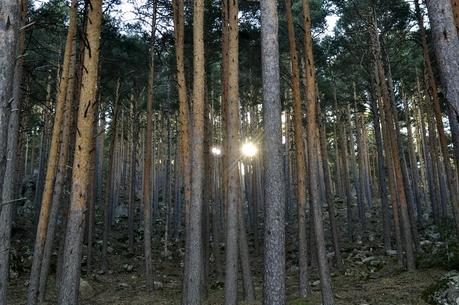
[(370, 275)]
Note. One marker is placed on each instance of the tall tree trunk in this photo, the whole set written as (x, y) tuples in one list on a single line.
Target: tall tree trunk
[(193, 293), (9, 32), (435, 104), (110, 176), (341, 142), (328, 189), (392, 146), (304, 287), (313, 149), (446, 43), (274, 188), (147, 185), (53, 160), (68, 292), (9, 126), (381, 165), (132, 172), (233, 132), (59, 182)]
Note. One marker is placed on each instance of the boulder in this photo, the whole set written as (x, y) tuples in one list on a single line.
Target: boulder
[(445, 291), (86, 290)]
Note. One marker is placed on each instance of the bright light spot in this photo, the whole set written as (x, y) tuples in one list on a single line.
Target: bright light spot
[(283, 117), (216, 151), (249, 150)]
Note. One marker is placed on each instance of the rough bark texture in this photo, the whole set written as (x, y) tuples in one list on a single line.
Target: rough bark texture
[(233, 128), (193, 293), (53, 160), (9, 126), (446, 42), (304, 287), (313, 155), (70, 280), (59, 183), (274, 188), (381, 168), (9, 26), (184, 119), (147, 181), (393, 149)]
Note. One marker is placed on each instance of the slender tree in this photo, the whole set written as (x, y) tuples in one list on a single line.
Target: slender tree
[(147, 181), (313, 154), (304, 287), (195, 261)]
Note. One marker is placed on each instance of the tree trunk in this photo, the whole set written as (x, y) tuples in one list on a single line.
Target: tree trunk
[(392, 146), (193, 293), (53, 159), (304, 287), (233, 133), (109, 180), (9, 126), (132, 172), (328, 190), (147, 185), (68, 292), (446, 43), (381, 166), (433, 95), (274, 188), (59, 183), (313, 149)]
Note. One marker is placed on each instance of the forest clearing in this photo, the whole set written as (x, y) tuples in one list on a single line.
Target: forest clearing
[(295, 152)]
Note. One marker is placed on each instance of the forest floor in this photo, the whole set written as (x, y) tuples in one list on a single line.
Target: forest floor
[(370, 275)]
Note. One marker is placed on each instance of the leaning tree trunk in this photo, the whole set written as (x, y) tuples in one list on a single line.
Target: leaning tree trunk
[(274, 188), (313, 154), (59, 183), (70, 281), (433, 95), (53, 159), (446, 43)]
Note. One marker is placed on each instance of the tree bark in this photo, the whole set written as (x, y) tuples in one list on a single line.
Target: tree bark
[(70, 281), (274, 188), (233, 133), (193, 293), (304, 287), (53, 159), (392, 147), (313, 154), (59, 182), (435, 104), (147, 185), (9, 127)]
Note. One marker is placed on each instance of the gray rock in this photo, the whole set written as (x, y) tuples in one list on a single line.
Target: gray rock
[(86, 290), (445, 291)]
